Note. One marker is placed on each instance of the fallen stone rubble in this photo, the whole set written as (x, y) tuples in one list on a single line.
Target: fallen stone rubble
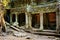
[(19, 34), (22, 35)]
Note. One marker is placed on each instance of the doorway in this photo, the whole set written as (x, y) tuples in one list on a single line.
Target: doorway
[(36, 21), (13, 17), (21, 19), (49, 21), (7, 16)]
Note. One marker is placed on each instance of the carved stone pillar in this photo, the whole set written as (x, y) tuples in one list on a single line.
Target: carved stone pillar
[(58, 19), (10, 18), (26, 20), (16, 22), (41, 21), (30, 18), (16, 17)]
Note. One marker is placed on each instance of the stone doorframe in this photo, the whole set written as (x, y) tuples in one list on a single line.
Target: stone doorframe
[(41, 21), (29, 20)]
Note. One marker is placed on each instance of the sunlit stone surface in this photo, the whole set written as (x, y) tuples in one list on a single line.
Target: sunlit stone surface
[(27, 36)]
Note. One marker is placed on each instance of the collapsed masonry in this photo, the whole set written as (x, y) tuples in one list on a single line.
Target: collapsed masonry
[(3, 23), (28, 16)]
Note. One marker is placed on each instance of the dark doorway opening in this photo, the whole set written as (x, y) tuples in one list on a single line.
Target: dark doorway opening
[(50, 21), (13, 17), (36, 20), (21, 19), (7, 16)]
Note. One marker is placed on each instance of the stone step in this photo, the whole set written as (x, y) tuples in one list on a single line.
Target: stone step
[(14, 28), (46, 33)]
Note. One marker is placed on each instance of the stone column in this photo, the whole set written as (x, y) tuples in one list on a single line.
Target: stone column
[(30, 20), (16, 22), (58, 19), (26, 15), (10, 18), (41, 21), (57, 22), (16, 17)]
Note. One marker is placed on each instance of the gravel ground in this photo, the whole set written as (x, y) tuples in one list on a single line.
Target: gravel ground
[(29, 37)]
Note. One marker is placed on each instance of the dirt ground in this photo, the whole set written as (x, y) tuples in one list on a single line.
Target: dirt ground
[(29, 37)]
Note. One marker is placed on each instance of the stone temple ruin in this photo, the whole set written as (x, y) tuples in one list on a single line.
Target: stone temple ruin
[(29, 16), (5, 26), (24, 19)]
